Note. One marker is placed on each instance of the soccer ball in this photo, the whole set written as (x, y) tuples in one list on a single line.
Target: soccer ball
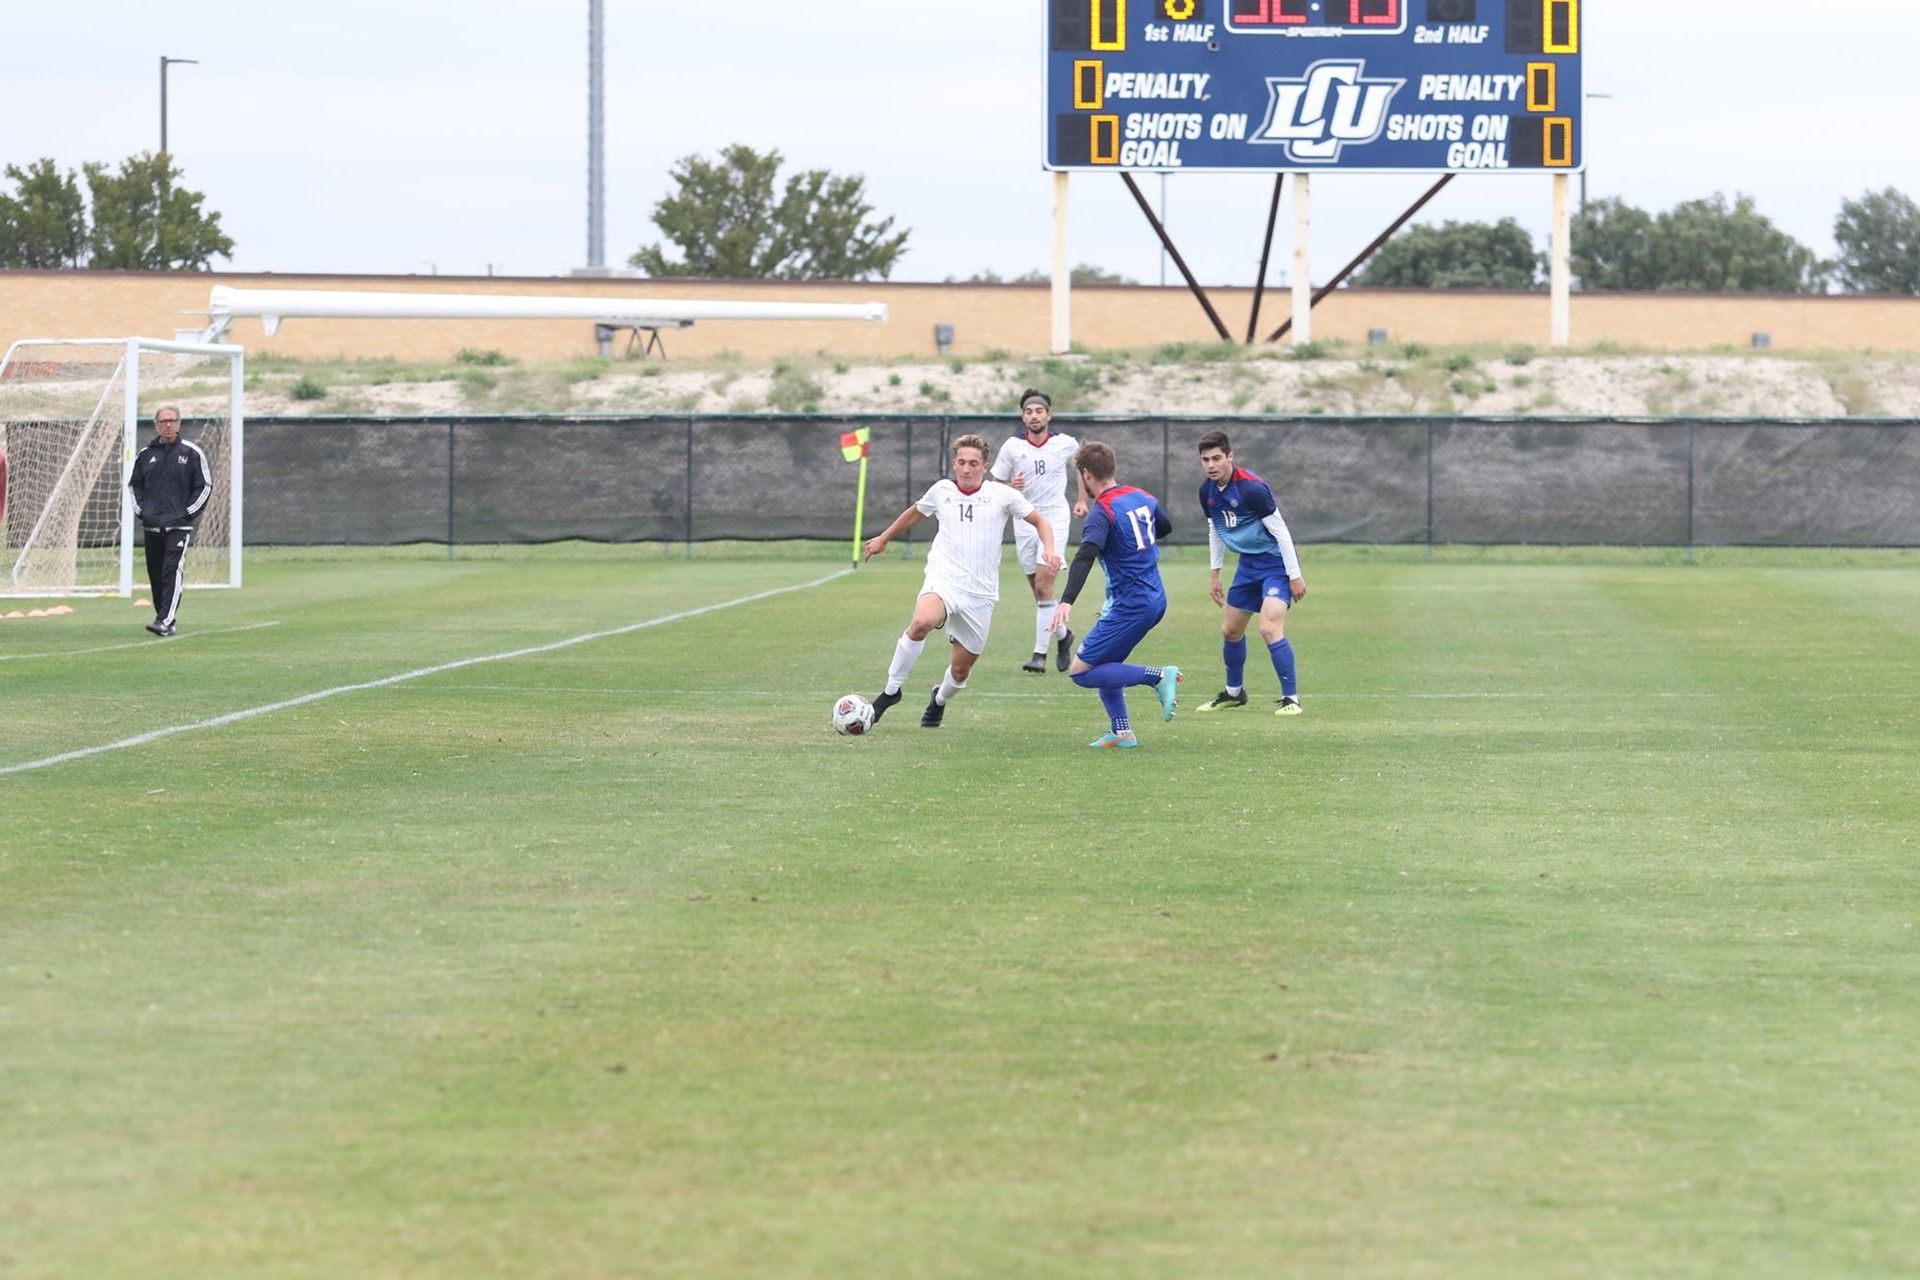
[(852, 715)]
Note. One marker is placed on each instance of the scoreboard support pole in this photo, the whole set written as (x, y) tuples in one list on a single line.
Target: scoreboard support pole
[(1166, 242), (1302, 260), (1340, 276), (1560, 270), (1266, 252), (1061, 340)]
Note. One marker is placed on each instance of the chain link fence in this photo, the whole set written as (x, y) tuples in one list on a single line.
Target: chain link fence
[(1387, 480)]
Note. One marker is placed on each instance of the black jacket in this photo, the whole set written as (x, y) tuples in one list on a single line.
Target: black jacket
[(171, 484)]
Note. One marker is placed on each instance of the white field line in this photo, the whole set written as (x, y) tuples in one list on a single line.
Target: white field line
[(248, 713), (1065, 690), (136, 644)]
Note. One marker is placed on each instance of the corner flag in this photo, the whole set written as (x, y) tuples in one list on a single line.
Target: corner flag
[(854, 446)]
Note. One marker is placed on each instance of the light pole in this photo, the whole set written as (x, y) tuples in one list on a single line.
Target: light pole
[(1163, 222), (166, 62), (1583, 168)]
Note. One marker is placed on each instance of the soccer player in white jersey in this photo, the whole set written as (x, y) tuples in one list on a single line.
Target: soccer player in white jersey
[(1037, 463), (963, 571)]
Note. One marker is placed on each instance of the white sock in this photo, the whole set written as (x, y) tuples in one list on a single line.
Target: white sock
[(906, 652), (1235, 690), (1043, 625), (948, 687)]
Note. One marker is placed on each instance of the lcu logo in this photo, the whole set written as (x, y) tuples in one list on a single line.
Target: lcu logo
[(1331, 106)]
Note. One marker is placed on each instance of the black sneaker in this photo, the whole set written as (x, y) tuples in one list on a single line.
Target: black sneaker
[(881, 701), (157, 628), (167, 632), (1063, 650), (1223, 700), (1036, 664), (934, 714)]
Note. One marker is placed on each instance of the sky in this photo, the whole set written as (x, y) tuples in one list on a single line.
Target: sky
[(397, 137)]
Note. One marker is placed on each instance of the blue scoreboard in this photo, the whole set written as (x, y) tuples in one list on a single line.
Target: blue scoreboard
[(1373, 85)]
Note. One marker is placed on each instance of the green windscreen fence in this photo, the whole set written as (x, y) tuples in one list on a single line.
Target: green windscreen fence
[(1388, 480)]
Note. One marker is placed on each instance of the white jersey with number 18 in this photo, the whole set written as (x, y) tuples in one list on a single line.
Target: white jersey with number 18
[(965, 557), (1047, 466)]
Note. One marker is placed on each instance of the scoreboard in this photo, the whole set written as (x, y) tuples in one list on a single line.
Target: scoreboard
[(1398, 86)]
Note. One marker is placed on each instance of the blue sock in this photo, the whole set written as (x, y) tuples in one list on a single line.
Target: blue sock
[(1115, 701), (1235, 653), (1282, 651), (1116, 675)]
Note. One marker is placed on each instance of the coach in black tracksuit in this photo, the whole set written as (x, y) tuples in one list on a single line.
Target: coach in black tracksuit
[(171, 484)]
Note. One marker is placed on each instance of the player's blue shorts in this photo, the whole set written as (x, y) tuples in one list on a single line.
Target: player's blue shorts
[(1115, 635), (1251, 591)]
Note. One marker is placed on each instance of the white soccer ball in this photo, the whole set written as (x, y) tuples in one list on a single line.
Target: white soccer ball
[(852, 715)]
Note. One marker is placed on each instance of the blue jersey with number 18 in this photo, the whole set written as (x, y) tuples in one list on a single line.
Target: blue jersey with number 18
[(1120, 523)]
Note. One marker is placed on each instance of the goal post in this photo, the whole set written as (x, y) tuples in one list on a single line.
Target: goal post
[(73, 414)]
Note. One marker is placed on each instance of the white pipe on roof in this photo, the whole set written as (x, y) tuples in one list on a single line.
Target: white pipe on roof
[(275, 305)]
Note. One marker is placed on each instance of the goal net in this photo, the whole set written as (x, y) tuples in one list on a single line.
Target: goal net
[(73, 412)]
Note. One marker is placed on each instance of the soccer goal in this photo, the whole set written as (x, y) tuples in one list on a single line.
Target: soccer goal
[(73, 412)]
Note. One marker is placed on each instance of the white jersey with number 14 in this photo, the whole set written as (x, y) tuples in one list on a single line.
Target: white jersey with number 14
[(965, 557)]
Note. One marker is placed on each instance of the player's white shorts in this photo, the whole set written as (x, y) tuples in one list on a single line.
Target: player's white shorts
[(969, 618), (1026, 538)]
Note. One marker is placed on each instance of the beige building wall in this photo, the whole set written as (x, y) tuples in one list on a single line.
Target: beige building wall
[(1011, 318)]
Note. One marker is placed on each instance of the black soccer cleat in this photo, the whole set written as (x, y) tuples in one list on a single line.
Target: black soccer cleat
[(934, 714), (1223, 700), (1036, 664), (881, 701), (1063, 650)]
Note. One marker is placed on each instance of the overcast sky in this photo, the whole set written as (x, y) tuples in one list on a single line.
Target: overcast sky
[(386, 136)]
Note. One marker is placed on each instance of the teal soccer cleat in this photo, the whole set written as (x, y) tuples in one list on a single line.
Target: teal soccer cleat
[(1168, 689), (1123, 740)]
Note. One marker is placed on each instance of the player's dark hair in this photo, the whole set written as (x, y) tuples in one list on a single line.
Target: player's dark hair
[(1215, 440), (1095, 457), (1035, 393), (971, 442)]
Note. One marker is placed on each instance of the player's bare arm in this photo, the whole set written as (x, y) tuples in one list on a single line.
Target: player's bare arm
[(905, 521)]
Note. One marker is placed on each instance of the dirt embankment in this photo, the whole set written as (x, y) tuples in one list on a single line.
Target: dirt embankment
[(1175, 379)]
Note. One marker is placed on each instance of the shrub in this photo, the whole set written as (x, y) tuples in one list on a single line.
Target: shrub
[(307, 389), (471, 355), (793, 391)]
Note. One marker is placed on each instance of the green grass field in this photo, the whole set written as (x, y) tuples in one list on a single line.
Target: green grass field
[(1574, 931)]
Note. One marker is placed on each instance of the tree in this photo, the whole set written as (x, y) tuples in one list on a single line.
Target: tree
[(1879, 239), (1611, 246), (1705, 246), (143, 220), (726, 221), (1082, 273), (44, 223), (1457, 255)]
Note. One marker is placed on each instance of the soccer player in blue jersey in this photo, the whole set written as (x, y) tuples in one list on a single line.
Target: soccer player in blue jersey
[(1242, 515), (1123, 529)]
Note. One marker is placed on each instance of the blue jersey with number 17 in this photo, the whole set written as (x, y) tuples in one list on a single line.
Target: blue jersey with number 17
[(1120, 522)]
